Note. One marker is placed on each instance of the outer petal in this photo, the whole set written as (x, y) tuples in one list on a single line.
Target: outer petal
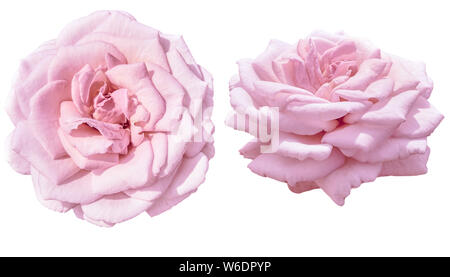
[(393, 149), (292, 170), (55, 205), (358, 136), (76, 189), (195, 87), (44, 116), (263, 63), (26, 146), (70, 59), (189, 176), (148, 50), (115, 208), (80, 214), (31, 77), (116, 23), (412, 165), (410, 75), (421, 120), (339, 183), (303, 147), (391, 111), (17, 162)]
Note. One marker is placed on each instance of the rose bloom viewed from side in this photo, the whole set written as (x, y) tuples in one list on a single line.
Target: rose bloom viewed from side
[(112, 119), (346, 113)]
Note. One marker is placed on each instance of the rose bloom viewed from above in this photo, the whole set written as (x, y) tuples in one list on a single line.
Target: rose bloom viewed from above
[(112, 119), (345, 111)]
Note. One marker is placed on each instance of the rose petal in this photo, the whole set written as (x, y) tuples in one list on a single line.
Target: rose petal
[(189, 176), (292, 170), (133, 170), (70, 59), (412, 165), (88, 153), (303, 147), (421, 120), (173, 94), (115, 208), (263, 63), (26, 146), (339, 183), (391, 111), (44, 114), (358, 136), (80, 214), (76, 189), (393, 149), (136, 79), (55, 205), (369, 71), (32, 76)]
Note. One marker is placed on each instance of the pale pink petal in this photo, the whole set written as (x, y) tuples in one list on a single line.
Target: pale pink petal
[(146, 50), (26, 146), (136, 79), (303, 147), (173, 94), (76, 189), (377, 90), (133, 170), (358, 136), (410, 75), (159, 143), (292, 170), (413, 165), (83, 152), (306, 49), (70, 59), (421, 120), (71, 119), (116, 23), (263, 63), (189, 176), (17, 162), (165, 204), (115, 208), (152, 191), (44, 114), (393, 149), (326, 111), (391, 111), (369, 71), (174, 42), (339, 183), (32, 76), (276, 94), (303, 186), (55, 205), (189, 78), (251, 150), (80, 214), (248, 77)]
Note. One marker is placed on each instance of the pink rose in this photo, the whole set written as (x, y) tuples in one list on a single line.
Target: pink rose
[(346, 113), (112, 119)]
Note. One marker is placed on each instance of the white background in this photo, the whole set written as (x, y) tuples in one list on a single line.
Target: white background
[(236, 212)]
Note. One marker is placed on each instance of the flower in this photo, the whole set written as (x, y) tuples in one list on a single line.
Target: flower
[(332, 112), (111, 119)]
